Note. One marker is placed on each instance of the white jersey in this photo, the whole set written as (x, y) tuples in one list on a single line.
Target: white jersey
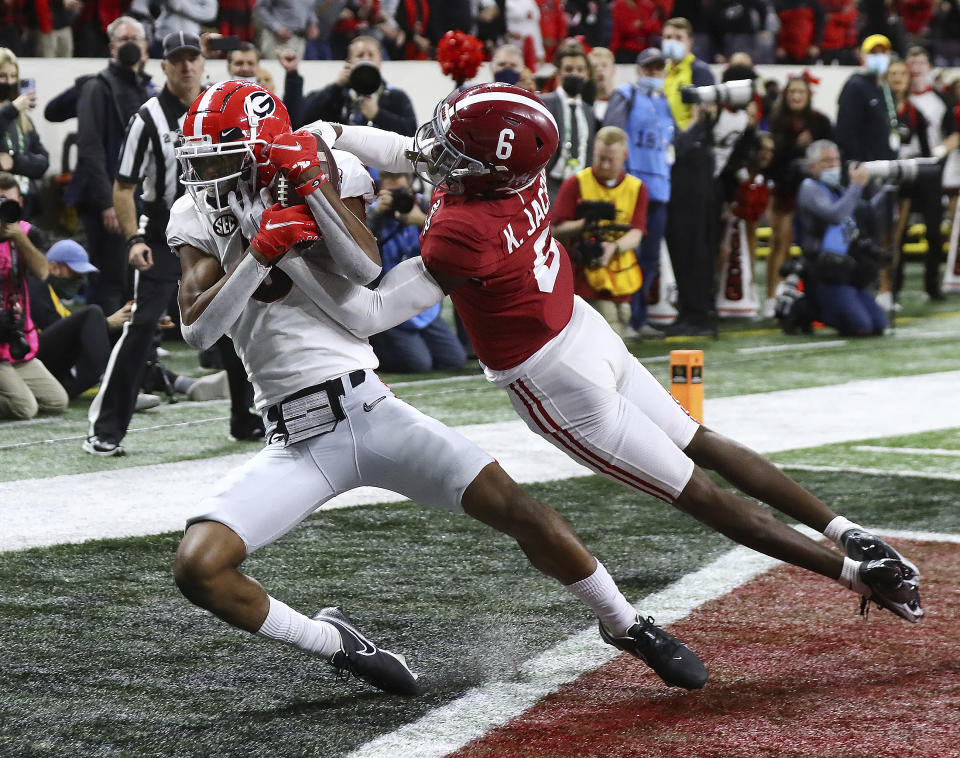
[(285, 340)]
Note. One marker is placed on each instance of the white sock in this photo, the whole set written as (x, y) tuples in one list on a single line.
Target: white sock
[(287, 625), (836, 528), (850, 577), (601, 593)]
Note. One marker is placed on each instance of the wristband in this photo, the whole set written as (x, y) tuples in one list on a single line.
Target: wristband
[(311, 186), (133, 239)]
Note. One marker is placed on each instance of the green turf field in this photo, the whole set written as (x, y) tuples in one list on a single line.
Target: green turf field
[(102, 657)]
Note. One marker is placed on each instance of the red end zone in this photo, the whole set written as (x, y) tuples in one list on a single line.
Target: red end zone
[(793, 672)]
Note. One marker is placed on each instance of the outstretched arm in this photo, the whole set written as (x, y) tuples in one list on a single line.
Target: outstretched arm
[(405, 290), (384, 151)]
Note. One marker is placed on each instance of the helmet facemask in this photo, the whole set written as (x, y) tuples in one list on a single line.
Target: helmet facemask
[(438, 162), (211, 171)]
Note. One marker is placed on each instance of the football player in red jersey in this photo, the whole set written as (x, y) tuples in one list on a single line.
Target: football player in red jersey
[(243, 274), (487, 243)]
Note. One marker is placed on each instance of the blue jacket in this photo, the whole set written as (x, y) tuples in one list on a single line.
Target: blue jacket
[(645, 117)]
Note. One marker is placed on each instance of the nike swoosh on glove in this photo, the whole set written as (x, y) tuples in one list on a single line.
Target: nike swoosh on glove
[(294, 153), (282, 228)]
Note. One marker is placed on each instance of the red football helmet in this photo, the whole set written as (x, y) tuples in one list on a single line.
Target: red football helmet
[(487, 138), (225, 136)]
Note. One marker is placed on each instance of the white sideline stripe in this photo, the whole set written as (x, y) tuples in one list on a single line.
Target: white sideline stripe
[(902, 473), (907, 450), (450, 727), (158, 498), (792, 346), (909, 534)]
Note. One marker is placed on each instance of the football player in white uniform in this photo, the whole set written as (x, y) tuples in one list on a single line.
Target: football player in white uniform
[(332, 425)]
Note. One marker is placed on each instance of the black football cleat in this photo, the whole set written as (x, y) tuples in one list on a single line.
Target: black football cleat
[(359, 656), (861, 545), (673, 661), (890, 589)]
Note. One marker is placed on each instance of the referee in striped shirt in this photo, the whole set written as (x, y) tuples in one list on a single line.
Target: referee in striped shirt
[(147, 157)]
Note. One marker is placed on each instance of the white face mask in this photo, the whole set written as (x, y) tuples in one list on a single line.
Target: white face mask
[(878, 63), (831, 176), (674, 49)]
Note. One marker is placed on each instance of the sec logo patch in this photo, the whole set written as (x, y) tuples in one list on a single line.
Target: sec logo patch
[(225, 225)]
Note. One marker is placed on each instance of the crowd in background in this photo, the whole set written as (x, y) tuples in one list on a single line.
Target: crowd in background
[(784, 31), (696, 175)]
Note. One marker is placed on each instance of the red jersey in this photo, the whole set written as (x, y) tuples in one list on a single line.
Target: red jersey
[(519, 289)]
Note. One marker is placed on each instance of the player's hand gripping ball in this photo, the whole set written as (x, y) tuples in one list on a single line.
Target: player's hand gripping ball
[(282, 228), (294, 153)]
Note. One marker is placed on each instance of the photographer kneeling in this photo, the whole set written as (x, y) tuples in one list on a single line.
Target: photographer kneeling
[(424, 342), (26, 386), (601, 216), (841, 260)]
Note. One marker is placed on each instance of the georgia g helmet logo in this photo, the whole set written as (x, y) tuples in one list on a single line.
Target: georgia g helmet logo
[(259, 105)]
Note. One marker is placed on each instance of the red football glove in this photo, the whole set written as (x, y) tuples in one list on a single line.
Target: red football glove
[(294, 153), (282, 228)]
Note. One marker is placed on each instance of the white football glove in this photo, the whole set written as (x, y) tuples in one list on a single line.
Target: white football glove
[(248, 208)]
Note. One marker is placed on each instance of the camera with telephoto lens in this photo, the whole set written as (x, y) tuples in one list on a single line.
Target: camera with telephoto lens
[(591, 238), (735, 94), (10, 211), (903, 170), (402, 199), (12, 324)]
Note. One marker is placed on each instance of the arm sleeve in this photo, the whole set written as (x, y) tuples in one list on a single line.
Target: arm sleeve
[(565, 206), (91, 157), (396, 115), (343, 249), (813, 199), (617, 113), (847, 118), (404, 292), (134, 151), (63, 106), (293, 97), (384, 151), (225, 308), (35, 160)]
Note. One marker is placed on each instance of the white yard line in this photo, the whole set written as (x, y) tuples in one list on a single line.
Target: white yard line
[(791, 346), (157, 498), (482, 709), (867, 471), (907, 450)]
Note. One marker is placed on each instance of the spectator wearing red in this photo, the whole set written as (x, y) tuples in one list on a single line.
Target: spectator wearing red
[(840, 32), (801, 30), (916, 15), (12, 23), (410, 37), (91, 37), (553, 25), (235, 19), (636, 26)]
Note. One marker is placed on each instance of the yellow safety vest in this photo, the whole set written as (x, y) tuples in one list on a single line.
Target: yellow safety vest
[(622, 276), (679, 75)]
